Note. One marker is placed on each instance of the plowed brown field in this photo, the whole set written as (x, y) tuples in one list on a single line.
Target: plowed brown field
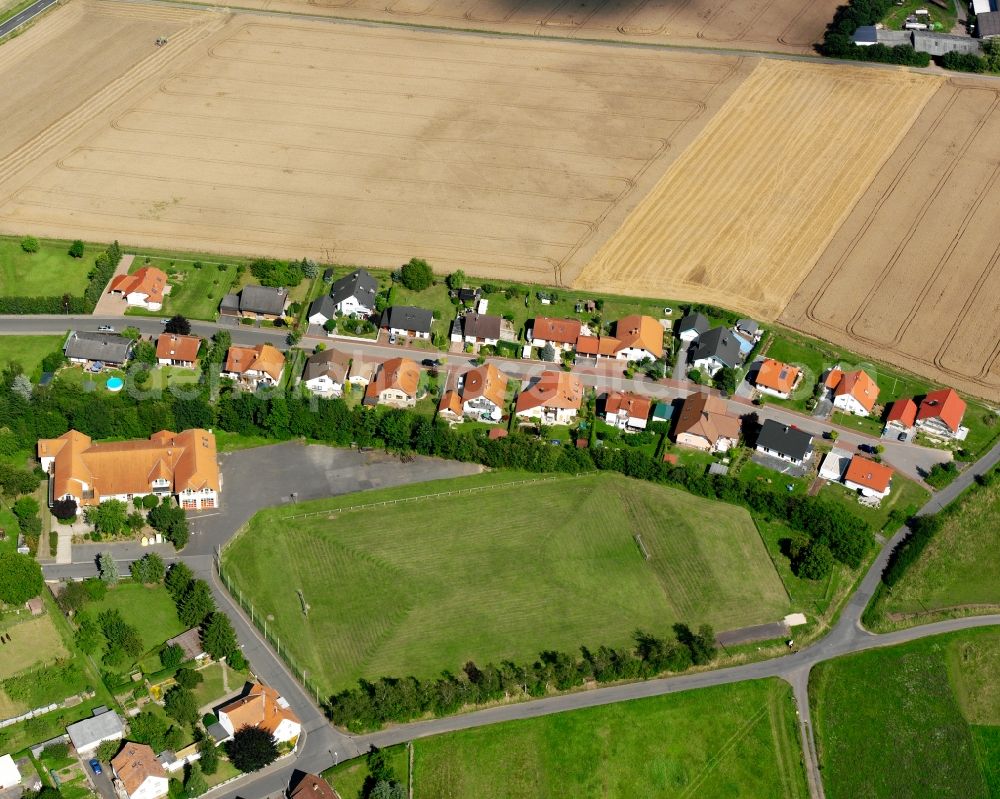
[(743, 214), (372, 145), (912, 275), (790, 26)]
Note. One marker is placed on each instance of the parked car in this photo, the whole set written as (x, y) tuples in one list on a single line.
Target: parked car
[(105, 329), (95, 766), (901, 437)]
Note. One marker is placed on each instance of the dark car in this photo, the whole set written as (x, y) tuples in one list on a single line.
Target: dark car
[(429, 362), (95, 766), (901, 437)]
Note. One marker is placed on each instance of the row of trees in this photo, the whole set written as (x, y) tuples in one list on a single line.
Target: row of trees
[(196, 608), (389, 699)]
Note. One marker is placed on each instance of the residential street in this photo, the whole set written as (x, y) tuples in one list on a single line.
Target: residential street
[(912, 460)]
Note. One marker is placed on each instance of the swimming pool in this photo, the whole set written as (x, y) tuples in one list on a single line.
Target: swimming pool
[(115, 384)]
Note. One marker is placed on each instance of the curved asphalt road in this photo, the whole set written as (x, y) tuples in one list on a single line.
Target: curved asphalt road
[(25, 16)]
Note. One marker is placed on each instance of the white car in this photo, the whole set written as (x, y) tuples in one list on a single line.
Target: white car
[(105, 329)]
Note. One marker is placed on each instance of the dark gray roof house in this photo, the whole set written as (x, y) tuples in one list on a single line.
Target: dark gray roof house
[(748, 326), (784, 441), (481, 326), (106, 347), (263, 300), (322, 310), (988, 24), (360, 285), (693, 322), (720, 344), (407, 317)]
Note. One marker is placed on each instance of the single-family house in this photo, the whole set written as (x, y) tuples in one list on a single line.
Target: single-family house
[(902, 416), (481, 328), (784, 442), (190, 643), (395, 384), (256, 302), (362, 370), (173, 349), (183, 465), (10, 775), (562, 334), (481, 395), (868, 478), (144, 288), (705, 423), (88, 734), (107, 348), (552, 398), (834, 465), (641, 337), (406, 320), (139, 774), (262, 707), (313, 787), (717, 349), (326, 372), (853, 392), (352, 295), (776, 378), (941, 413), (597, 347), (627, 410), (692, 326), (253, 367)]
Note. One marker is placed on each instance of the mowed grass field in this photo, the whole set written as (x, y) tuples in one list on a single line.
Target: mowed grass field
[(34, 641), (149, 609), (729, 741), (917, 720), (500, 573), (195, 293), (959, 566), (28, 351), (48, 272)]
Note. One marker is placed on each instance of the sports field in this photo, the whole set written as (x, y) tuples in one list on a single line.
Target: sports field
[(957, 569), (729, 741), (367, 144), (743, 214), (917, 720), (911, 277), (502, 573)]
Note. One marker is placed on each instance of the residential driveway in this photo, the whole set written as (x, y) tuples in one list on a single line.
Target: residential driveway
[(110, 305), (745, 389), (777, 465)]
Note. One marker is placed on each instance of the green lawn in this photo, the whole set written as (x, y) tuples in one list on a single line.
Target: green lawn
[(730, 741), (48, 272), (195, 293), (917, 720), (503, 573), (76, 376), (28, 351), (940, 19), (149, 609), (959, 566), (349, 777), (907, 495)]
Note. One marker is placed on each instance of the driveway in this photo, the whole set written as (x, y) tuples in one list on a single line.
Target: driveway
[(111, 305)]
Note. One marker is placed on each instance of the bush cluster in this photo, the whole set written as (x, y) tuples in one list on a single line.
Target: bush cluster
[(838, 41)]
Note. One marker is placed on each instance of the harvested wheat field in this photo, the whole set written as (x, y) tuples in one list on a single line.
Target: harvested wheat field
[(789, 26), (912, 276), (743, 214), (372, 145)]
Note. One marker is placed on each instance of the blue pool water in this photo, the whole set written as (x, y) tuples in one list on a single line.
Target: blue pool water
[(115, 384)]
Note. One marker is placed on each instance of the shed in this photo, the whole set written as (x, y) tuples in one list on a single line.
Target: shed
[(190, 642), (718, 468), (663, 412), (86, 735), (988, 24), (35, 606), (9, 773), (941, 43)]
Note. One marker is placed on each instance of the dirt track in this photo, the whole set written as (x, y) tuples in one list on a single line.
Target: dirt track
[(743, 214), (790, 26), (912, 275), (372, 145)]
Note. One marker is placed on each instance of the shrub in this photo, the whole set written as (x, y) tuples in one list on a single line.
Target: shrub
[(20, 578), (29, 244), (252, 748), (64, 509), (76, 249), (171, 656), (188, 678), (416, 275)]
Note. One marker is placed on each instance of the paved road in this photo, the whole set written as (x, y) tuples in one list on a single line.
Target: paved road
[(910, 459), (23, 17)]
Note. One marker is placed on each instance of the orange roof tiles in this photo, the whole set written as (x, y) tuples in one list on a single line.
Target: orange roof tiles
[(857, 383), (136, 763), (943, 404), (261, 358), (396, 373), (636, 406), (186, 460), (707, 416), (552, 390), (175, 347), (312, 787), (450, 403), (868, 474), (259, 708), (640, 333), (148, 280), (777, 376), (485, 381), (903, 411), (561, 331), (597, 345)]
